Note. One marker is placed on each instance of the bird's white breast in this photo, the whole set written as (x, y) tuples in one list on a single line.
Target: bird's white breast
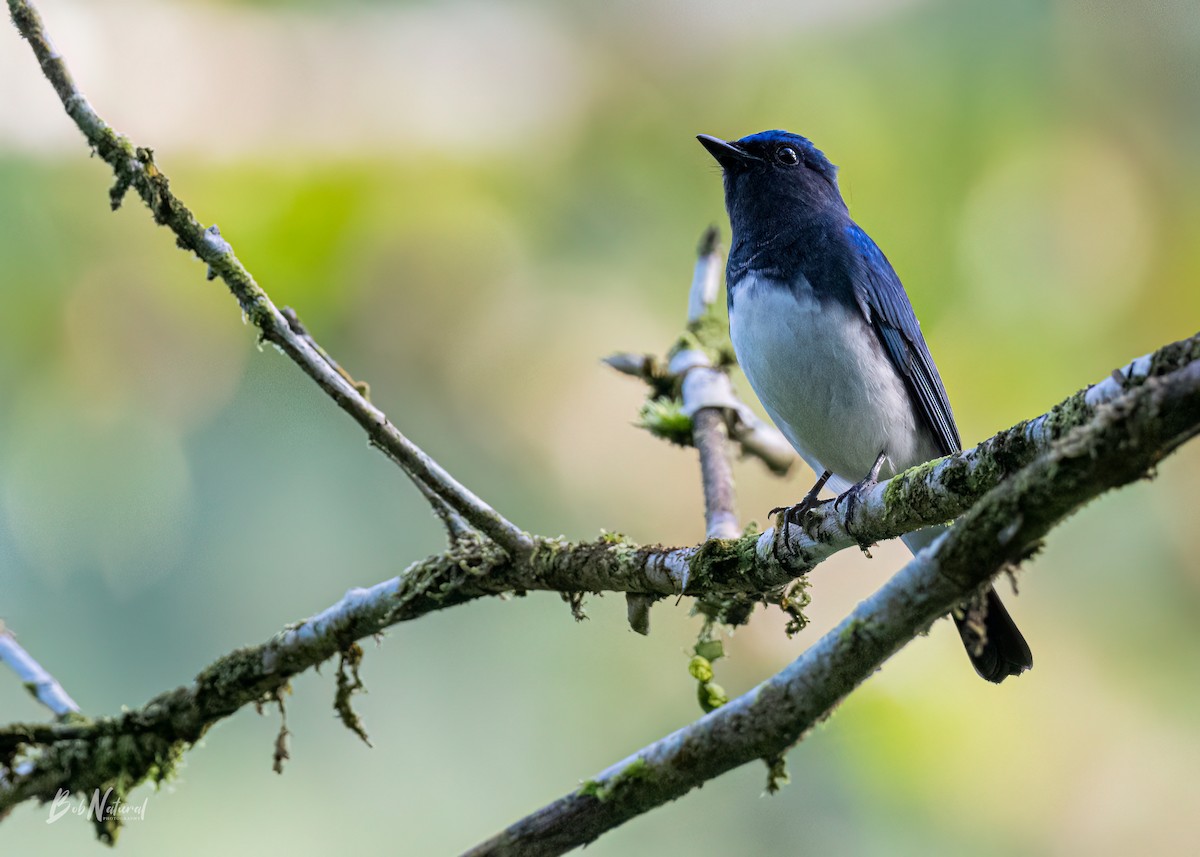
[(823, 377)]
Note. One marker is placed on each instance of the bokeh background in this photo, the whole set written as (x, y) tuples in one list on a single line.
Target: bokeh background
[(469, 203)]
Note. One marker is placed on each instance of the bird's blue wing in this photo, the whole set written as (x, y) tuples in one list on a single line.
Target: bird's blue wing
[(883, 301)]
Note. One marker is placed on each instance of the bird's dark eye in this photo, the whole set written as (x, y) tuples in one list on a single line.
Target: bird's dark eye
[(787, 155)]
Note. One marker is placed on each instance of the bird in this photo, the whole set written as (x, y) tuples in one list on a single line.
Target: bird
[(828, 339)]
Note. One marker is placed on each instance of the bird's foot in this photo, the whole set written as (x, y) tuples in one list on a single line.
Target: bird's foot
[(853, 495), (791, 515)]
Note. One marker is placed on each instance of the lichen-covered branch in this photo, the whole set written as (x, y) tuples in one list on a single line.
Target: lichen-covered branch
[(1127, 439), (135, 169), (38, 759), (943, 489)]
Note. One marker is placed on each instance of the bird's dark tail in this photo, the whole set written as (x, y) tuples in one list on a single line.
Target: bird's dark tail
[(994, 645)]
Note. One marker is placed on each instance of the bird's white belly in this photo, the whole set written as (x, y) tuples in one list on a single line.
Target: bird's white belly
[(825, 380)]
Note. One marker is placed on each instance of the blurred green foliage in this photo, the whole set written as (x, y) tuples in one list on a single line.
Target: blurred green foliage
[(168, 493)]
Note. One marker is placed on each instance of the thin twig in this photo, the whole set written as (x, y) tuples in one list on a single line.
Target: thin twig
[(455, 526), (706, 278), (716, 474), (135, 168), (44, 687), (709, 433), (301, 331)]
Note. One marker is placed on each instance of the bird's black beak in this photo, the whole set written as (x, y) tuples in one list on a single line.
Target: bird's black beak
[(727, 154)]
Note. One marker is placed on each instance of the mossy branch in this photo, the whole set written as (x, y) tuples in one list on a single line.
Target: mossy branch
[(1125, 441)]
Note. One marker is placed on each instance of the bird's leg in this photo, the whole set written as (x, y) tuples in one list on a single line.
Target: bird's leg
[(853, 494), (791, 514)]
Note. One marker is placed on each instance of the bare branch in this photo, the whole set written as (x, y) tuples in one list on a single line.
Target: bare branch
[(706, 392), (761, 440), (716, 474), (706, 280), (44, 687), (456, 527), (135, 168)]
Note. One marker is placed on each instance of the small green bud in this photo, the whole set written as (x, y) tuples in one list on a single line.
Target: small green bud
[(711, 696), (701, 669)]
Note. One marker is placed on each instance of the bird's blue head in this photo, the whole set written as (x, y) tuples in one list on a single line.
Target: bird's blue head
[(773, 180)]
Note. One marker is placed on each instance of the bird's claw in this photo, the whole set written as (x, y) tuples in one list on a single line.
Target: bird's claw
[(792, 515), (788, 516), (854, 494)]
